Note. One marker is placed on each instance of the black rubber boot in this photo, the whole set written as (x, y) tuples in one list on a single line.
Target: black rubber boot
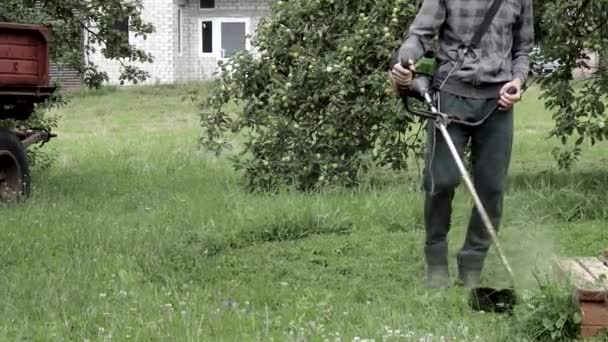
[(437, 273), (469, 279), (437, 277), (469, 270)]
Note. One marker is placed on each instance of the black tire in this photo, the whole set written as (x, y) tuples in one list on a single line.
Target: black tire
[(14, 168)]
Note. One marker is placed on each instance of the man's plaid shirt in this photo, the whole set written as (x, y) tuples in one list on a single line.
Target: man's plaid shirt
[(503, 53)]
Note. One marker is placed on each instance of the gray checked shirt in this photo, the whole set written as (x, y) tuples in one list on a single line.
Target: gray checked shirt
[(502, 55)]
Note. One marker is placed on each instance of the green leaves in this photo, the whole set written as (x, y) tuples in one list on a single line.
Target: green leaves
[(314, 104), (572, 31), (547, 323), (549, 313)]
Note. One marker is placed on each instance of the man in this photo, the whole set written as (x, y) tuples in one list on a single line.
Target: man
[(470, 83)]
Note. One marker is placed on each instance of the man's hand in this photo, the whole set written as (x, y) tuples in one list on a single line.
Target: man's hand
[(402, 77), (510, 94)]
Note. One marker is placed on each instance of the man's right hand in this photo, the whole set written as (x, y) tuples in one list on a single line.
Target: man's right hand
[(402, 76)]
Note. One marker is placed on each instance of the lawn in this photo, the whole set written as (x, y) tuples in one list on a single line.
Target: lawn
[(135, 234)]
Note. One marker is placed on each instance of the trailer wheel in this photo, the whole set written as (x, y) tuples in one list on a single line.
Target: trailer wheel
[(14, 168)]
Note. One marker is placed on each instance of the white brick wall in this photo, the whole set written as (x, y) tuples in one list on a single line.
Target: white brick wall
[(169, 65), (190, 65), (593, 62), (159, 44)]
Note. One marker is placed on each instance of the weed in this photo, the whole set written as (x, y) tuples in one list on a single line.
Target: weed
[(549, 313)]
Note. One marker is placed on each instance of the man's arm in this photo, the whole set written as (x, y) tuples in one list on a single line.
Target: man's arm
[(523, 42), (421, 33)]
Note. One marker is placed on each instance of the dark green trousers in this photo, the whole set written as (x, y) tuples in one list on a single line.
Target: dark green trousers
[(491, 145)]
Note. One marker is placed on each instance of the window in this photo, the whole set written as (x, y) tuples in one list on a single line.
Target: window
[(207, 36), (222, 37), (233, 38), (122, 25), (179, 30), (207, 3), (117, 46)]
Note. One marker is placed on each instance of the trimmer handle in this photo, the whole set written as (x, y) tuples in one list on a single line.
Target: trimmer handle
[(405, 64), (421, 85)]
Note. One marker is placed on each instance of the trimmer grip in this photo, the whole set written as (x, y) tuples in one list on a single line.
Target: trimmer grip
[(512, 91), (405, 64)]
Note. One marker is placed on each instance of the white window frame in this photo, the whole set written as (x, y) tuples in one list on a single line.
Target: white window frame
[(180, 29), (217, 34)]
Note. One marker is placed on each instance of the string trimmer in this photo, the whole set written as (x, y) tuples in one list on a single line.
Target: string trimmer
[(482, 298)]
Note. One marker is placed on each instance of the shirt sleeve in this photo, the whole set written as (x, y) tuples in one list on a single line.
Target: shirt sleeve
[(523, 42), (423, 29)]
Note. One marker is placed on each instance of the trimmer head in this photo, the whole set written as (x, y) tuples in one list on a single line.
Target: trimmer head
[(488, 299)]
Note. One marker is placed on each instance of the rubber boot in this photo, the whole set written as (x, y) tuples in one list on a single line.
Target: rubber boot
[(469, 279), (469, 270), (437, 273)]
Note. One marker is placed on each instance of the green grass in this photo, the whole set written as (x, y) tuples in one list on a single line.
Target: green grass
[(135, 234)]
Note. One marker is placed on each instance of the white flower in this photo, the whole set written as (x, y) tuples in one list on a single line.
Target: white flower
[(229, 67), (102, 295), (329, 69)]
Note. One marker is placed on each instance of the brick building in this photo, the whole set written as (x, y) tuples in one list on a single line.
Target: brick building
[(191, 36)]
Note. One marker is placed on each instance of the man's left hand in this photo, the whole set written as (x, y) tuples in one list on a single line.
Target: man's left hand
[(507, 100)]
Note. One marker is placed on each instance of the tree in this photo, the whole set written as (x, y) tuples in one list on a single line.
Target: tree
[(571, 30), (315, 103), (69, 20)]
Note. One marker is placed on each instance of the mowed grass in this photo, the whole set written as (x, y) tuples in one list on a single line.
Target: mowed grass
[(135, 234)]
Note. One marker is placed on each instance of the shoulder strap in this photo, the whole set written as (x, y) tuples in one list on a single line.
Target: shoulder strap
[(485, 24)]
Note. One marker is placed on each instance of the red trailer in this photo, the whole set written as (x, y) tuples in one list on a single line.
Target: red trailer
[(24, 82)]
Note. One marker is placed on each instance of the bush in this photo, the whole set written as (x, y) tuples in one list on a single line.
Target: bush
[(40, 158), (549, 314), (315, 104)]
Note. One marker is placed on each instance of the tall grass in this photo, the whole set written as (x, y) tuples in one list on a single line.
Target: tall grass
[(136, 234)]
